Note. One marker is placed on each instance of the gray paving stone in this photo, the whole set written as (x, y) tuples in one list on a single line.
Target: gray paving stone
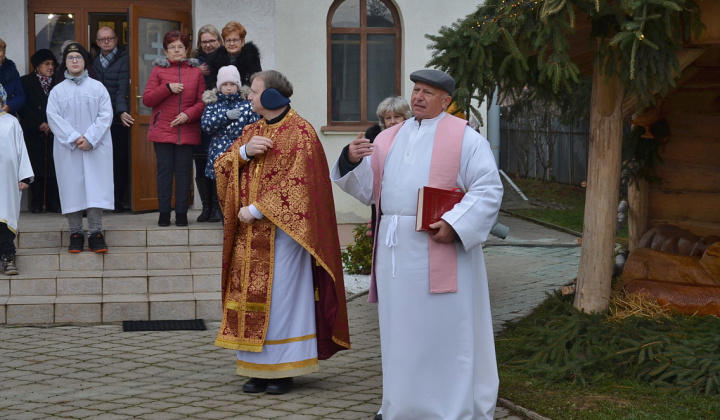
[(98, 371)]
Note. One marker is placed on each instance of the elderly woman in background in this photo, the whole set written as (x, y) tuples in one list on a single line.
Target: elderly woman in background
[(174, 92), (209, 40), (10, 79), (38, 136), (391, 111), (245, 56)]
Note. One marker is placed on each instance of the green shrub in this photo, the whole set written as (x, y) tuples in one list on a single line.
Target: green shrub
[(357, 258), (678, 353)]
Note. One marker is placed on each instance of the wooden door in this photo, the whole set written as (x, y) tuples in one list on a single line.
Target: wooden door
[(148, 26)]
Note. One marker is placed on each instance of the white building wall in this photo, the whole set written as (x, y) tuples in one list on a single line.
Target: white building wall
[(301, 54), (14, 31), (257, 16)]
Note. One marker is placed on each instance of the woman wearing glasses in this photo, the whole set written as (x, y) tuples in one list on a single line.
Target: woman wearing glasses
[(209, 40), (243, 55), (174, 92), (79, 113)]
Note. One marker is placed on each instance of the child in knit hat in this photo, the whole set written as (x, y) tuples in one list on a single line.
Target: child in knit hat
[(227, 111), (15, 175)]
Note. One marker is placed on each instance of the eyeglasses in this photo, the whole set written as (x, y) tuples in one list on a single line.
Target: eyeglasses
[(108, 39), (211, 42), (75, 58), (233, 40)]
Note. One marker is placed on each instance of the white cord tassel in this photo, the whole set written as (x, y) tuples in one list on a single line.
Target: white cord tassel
[(391, 239)]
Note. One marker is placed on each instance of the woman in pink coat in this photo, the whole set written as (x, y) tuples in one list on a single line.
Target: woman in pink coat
[(174, 92)]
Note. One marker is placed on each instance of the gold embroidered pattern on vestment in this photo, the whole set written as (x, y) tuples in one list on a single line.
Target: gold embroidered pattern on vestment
[(290, 340), (290, 186), (280, 370)]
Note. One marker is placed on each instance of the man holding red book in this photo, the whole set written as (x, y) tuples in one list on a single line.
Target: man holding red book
[(431, 286)]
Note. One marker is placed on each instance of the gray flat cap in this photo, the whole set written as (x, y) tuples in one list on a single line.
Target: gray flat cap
[(436, 78)]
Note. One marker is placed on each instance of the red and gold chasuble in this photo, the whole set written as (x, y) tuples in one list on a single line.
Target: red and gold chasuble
[(290, 185)]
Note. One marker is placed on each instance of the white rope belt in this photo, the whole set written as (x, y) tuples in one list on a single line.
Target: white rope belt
[(391, 239)]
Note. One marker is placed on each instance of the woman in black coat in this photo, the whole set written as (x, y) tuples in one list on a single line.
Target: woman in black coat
[(38, 137), (243, 55), (209, 40)]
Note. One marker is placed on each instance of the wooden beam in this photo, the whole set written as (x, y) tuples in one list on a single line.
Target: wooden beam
[(637, 212), (601, 202), (685, 56)]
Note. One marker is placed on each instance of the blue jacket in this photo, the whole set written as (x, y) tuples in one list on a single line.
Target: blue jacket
[(223, 130), (10, 79)]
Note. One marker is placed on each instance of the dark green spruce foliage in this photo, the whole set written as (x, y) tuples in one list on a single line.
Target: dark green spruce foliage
[(510, 45), (677, 354), (357, 258)]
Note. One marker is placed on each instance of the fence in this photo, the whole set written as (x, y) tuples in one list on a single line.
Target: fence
[(570, 156)]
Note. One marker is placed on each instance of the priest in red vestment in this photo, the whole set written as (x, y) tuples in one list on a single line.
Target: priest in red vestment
[(282, 280)]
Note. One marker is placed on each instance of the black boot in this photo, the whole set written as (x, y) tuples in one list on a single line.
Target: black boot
[(164, 219), (215, 212), (181, 219), (203, 186)]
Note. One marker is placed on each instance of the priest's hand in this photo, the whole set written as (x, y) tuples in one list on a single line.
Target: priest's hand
[(245, 216), (258, 145), (442, 232), (359, 148)]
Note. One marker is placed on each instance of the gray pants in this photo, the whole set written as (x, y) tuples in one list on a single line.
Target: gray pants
[(94, 216)]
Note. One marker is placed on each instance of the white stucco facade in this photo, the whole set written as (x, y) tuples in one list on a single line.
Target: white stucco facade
[(301, 54), (14, 31)]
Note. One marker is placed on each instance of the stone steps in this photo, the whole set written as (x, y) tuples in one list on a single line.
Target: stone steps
[(149, 272)]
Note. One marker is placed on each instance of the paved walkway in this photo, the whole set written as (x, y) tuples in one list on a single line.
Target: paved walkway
[(101, 372)]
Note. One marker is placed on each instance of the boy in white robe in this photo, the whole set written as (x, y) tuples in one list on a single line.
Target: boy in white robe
[(79, 113), (15, 175)]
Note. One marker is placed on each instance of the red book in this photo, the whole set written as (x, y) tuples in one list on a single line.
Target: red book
[(433, 203)]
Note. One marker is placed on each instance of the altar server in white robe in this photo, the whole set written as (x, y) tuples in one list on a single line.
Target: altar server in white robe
[(79, 112), (16, 174), (438, 353)]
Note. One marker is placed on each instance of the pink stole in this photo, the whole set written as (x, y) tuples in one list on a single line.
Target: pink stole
[(444, 169)]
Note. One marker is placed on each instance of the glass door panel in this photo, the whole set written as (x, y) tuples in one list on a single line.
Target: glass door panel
[(52, 30)]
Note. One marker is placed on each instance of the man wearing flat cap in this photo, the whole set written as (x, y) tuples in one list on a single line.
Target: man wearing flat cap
[(431, 286)]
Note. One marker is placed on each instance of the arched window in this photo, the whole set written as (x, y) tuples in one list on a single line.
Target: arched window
[(363, 60)]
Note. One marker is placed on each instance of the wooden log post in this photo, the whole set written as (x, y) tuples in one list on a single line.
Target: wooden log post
[(601, 197), (637, 212)]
